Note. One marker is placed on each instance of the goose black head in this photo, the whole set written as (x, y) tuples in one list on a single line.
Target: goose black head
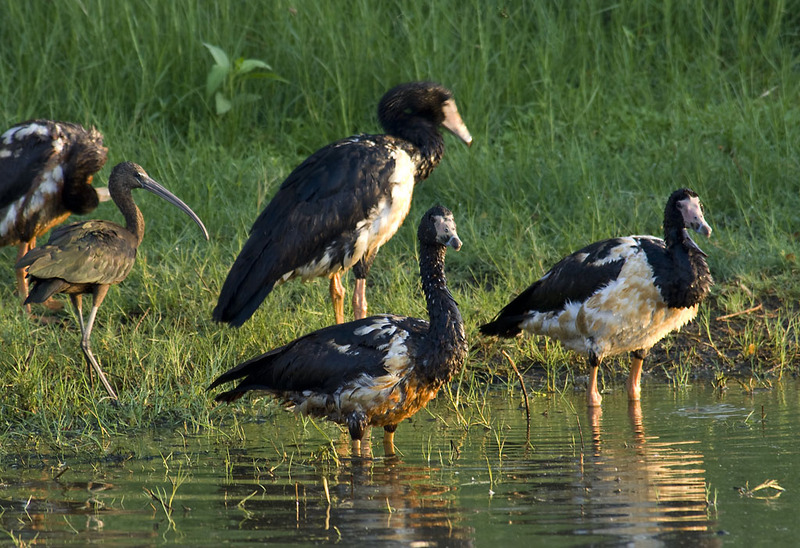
[(421, 103), (684, 210), (439, 227)]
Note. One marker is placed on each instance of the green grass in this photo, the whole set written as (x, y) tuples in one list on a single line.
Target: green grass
[(585, 116)]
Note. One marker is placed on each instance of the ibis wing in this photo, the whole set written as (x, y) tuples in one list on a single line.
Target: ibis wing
[(96, 252)]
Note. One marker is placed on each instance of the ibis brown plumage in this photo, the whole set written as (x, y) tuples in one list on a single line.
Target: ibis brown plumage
[(88, 257), (46, 170), (338, 207)]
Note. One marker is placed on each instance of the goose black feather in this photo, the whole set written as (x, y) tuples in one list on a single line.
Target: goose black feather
[(342, 203), (376, 371), (46, 171), (618, 295)]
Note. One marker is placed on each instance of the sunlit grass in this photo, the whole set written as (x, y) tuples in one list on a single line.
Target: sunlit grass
[(585, 117)]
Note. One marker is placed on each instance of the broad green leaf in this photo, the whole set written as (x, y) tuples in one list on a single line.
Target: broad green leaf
[(247, 65), (214, 80), (265, 76), (219, 56), (223, 105)]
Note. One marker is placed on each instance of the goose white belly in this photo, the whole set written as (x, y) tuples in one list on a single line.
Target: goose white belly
[(371, 233), (36, 210), (625, 315), (385, 218)]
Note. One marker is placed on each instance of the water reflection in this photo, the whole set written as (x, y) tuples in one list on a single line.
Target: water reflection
[(645, 488), (361, 500), (625, 475), (51, 509)]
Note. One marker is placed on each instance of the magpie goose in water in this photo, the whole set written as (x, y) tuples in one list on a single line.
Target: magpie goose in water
[(618, 295), (375, 371), (337, 208)]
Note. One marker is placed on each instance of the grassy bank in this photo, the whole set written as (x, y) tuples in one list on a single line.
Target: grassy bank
[(585, 116)]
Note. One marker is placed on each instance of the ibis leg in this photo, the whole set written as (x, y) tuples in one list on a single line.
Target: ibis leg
[(337, 297), (77, 304), (593, 397), (86, 333), (360, 299)]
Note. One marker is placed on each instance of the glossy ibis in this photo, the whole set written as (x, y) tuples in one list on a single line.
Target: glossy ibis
[(342, 203), (374, 371), (618, 295), (89, 256), (46, 171)]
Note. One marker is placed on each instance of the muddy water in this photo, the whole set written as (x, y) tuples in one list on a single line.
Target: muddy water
[(673, 471)]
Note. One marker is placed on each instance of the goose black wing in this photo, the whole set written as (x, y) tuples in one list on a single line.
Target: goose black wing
[(327, 359), (25, 152), (574, 278), (317, 208)]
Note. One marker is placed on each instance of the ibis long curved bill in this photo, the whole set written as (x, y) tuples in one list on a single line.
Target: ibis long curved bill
[(88, 257), (156, 188)]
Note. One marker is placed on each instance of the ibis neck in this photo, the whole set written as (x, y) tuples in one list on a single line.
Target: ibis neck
[(134, 221), (135, 224)]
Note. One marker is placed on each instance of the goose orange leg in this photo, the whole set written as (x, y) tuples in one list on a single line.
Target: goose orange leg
[(337, 297), (360, 270), (22, 279), (388, 440), (360, 299), (634, 384), (362, 447), (593, 397)]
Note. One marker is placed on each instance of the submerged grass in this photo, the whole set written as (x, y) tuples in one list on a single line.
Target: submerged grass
[(585, 115)]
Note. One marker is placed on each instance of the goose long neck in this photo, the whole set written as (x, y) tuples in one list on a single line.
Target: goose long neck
[(675, 234), (426, 140), (431, 149), (673, 237), (687, 279), (446, 341)]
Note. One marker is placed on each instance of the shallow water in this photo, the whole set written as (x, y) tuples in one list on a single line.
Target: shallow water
[(632, 475)]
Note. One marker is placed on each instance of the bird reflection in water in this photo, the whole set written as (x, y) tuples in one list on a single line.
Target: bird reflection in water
[(358, 500), (645, 488)]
